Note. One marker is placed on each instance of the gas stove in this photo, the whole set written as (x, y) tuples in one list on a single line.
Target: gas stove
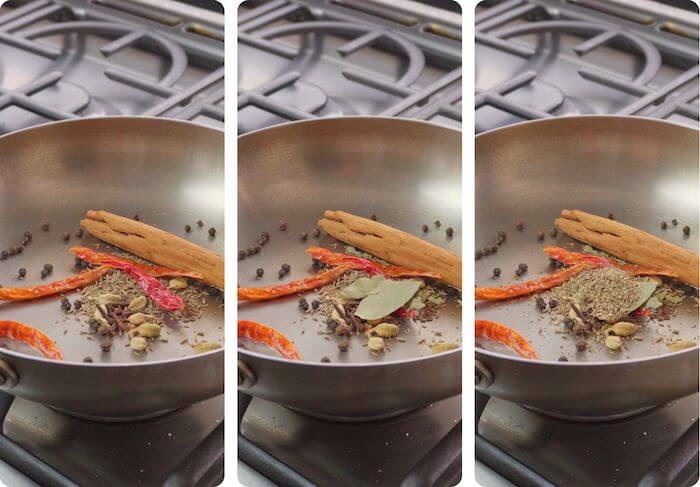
[(305, 59), (64, 59), (551, 58)]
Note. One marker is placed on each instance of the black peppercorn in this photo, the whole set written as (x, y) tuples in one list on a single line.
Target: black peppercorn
[(540, 236), (265, 236), (500, 241), (136, 217), (523, 267), (200, 223), (188, 228), (519, 225), (569, 323), (45, 226), (44, 273), (212, 232), (674, 222), (563, 359), (315, 304), (79, 233), (77, 304), (286, 267), (438, 224), (259, 272), (317, 232), (553, 303), (281, 273), (106, 346), (519, 272), (87, 360), (303, 236), (303, 304), (539, 302), (502, 234), (553, 233), (325, 360), (496, 272), (242, 254), (425, 228), (283, 225), (250, 251), (79, 262), (686, 230), (664, 225), (65, 304), (611, 216), (48, 268), (28, 235), (22, 272), (374, 217), (66, 236), (4, 254), (478, 254), (19, 248), (449, 231)]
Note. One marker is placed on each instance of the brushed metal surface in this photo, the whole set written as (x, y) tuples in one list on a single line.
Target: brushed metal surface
[(641, 170), (407, 173), (168, 172)]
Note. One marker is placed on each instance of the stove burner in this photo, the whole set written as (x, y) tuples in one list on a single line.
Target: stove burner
[(416, 102), (124, 30), (498, 25)]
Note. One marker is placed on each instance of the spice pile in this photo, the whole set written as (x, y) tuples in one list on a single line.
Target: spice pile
[(115, 305)]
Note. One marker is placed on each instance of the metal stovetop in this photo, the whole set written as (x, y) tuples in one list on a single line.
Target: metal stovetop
[(62, 59), (548, 58), (302, 59)]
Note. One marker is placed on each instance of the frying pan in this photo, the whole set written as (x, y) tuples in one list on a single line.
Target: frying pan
[(408, 173), (641, 170), (168, 172)]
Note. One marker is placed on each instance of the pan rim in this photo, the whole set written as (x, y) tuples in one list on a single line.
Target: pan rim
[(164, 121), (350, 117), (570, 118), (573, 118), (263, 356)]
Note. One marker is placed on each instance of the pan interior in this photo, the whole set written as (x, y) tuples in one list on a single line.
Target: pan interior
[(406, 173), (169, 173), (643, 171)]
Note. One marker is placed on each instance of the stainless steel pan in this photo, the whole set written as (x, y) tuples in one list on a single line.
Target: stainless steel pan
[(641, 170), (407, 173), (170, 173)]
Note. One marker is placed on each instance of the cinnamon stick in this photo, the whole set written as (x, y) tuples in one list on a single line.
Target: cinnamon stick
[(630, 244), (156, 245), (393, 245)]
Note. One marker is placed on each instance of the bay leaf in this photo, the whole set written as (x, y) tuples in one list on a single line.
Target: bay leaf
[(361, 287), (647, 288), (386, 298)]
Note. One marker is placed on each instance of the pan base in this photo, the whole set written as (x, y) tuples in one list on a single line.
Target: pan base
[(114, 419), (352, 419), (589, 419)]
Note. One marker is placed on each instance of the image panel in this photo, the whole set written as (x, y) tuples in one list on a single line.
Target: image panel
[(111, 243), (586, 243), (349, 243)]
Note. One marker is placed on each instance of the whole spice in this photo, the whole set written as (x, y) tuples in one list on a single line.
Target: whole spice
[(200, 223), (581, 344), (259, 272), (386, 330), (674, 222), (66, 236), (283, 225), (343, 345), (611, 216), (87, 360), (22, 273), (450, 231), (540, 303), (519, 225), (496, 272), (613, 342), (138, 344), (563, 359), (540, 236), (325, 360), (317, 232), (478, 254), (438, 223), (65, 304), (79, 233), (177, 284), (425, 228), (303, 304), (148, 330), (376, 344), (45, 226), (188, 228), (303, 236), (212, 232), (242, 254), (686, 230), (553, 233), (664, 225)]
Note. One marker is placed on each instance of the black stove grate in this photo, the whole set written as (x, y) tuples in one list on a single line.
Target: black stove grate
[(180, 40), (364, 25), (647, 37)]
